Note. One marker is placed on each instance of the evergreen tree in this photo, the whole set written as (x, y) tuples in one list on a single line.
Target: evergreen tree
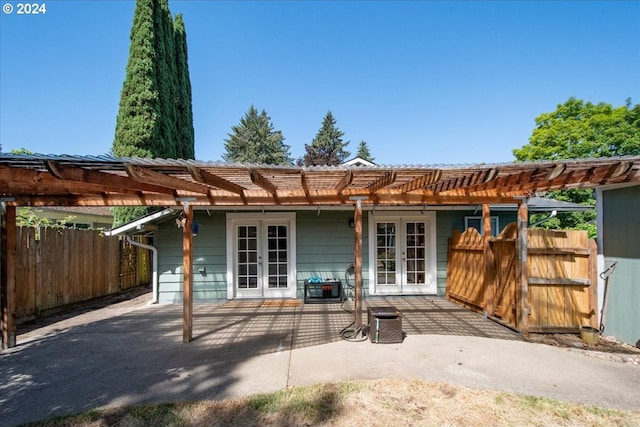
[(327, 148), (255, 141), (166, 79), (184, 124), (363, 152), (137, 124), (155, 117)]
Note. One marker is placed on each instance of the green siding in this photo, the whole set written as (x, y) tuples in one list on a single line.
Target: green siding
[(325, 247), (209, 248), (620, 219), (325, 244)]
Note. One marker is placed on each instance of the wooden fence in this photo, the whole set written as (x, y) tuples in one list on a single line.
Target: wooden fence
[(57, 267), (561, 271)]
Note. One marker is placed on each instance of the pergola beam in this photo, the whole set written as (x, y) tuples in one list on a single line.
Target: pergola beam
[(141, 174), (107, 179), (258, 179)]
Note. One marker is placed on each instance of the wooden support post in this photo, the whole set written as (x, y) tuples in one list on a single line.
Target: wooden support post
[(187, 270), (8, 277), (357, 222), (522, 277), (489, 284)]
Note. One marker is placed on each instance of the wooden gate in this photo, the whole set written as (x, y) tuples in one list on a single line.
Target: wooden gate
[(561, 271), (503, 270)]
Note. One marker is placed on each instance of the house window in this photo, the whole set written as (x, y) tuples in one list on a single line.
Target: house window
[(476, 222)]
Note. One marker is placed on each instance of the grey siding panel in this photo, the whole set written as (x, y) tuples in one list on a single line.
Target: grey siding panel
[(621, 244)]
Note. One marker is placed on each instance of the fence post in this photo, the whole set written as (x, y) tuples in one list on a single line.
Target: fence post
[(8, 279), (489, 283), (522, 279)]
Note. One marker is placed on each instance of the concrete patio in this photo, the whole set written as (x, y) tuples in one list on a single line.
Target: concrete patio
[(132, 353)]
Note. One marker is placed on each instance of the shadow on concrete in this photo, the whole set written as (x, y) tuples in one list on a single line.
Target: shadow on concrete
[(120, 356)]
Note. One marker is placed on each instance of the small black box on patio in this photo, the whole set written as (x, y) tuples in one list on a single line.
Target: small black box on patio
[(385, 325)]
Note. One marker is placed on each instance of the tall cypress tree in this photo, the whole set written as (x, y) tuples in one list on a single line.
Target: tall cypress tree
[(155, 117), (327, 148), (184, 113), (137, 129), (147, 122)]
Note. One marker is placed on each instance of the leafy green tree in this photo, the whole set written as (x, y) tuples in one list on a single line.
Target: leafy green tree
[(327, 148), (21, 151), (184, 113), (363, 152), (582, 130), (254, 140)]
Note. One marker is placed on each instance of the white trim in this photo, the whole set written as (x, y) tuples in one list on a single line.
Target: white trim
[(139, 222), (267, 217), (358, 161), (600, 261), (481, 229), (431, 267)]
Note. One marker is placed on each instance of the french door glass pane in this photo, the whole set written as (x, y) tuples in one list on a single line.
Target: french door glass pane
[(415, 242), (247, 257), (386, 252), (277, 256)]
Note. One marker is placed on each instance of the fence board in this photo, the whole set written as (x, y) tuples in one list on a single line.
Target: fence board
[(58, 267), (464, 280), (561, 267)]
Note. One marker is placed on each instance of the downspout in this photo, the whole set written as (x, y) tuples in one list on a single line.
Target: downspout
[(154, 276)]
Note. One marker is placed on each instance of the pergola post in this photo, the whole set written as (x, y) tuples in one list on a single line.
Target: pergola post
[(522, 277), (187, 270), (8, 277), (357, 265)]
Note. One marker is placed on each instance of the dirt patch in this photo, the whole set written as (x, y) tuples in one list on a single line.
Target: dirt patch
[(606, 347)]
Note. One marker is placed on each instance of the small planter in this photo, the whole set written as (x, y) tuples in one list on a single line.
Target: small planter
[(589, 335)]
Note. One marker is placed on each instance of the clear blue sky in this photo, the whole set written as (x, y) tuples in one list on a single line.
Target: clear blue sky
[(421, 82)]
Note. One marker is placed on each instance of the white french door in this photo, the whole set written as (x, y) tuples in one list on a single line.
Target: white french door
[(402, 254), (261, 258)]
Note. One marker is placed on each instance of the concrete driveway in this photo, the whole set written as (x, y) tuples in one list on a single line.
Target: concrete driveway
[(131, 353)]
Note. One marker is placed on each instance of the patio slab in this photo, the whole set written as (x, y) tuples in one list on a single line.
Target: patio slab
[(132, 353)]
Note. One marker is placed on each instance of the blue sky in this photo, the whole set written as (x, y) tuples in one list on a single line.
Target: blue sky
[(421, 82)]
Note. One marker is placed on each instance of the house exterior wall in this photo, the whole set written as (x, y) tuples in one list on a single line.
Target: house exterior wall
[(324, 248), (620, 217), (208, 253)]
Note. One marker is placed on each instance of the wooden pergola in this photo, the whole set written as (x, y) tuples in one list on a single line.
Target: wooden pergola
[(59, 180)]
